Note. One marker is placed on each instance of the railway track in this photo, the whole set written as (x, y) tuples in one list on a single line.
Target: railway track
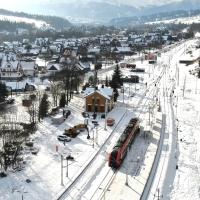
[(74, 192), (70, 186), (141, 103), (168, 154)]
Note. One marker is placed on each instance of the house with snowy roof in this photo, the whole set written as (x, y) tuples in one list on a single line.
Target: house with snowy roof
[(99, 99), (52, 68), (10, 68), (29, 67)]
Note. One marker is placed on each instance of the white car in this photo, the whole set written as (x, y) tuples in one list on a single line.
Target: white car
[(63, 138)]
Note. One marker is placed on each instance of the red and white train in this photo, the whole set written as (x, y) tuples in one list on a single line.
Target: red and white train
[(119, 151)]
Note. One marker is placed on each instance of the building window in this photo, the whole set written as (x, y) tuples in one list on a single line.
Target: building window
[(96, 101)]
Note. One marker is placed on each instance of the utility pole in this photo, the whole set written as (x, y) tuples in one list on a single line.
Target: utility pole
[(67, 168), (184, 86), (106, 108), (196, 86), (149, 114), (61, 156), (97, 135), (126, 183), (93, 137), (123, 94), (178, 76)]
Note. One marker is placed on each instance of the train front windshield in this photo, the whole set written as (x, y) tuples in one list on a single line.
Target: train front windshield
[(114, 155)]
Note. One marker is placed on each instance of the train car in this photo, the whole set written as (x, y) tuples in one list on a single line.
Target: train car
[(119, 151)]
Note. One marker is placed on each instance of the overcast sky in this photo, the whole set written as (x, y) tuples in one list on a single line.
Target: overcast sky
[(20, 5)]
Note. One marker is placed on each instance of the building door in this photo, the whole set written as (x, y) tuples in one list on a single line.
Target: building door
[(89, 108)]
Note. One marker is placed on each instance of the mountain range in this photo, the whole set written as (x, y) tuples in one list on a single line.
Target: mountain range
[(105, 10)]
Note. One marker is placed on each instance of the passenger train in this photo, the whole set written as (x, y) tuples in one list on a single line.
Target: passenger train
[(119, 151)]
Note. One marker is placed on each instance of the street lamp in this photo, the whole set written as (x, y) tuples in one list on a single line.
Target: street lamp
[(95, 126), (86, 123), (69, 157), (61, 156)]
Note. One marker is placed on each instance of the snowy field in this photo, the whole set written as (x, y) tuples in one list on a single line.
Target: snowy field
[(182, 20), (37, 23)]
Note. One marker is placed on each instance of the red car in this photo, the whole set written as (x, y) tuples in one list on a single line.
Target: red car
[(110, 121)]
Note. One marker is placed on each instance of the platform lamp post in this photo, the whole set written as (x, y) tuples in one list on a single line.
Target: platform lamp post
[(106, 110), (69, 157), (159, 196), (149, 114), (93, 138), (86, 123), (96, 126)]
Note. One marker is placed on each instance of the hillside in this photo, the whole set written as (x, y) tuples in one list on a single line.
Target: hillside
[(38, 21), (169, 17)]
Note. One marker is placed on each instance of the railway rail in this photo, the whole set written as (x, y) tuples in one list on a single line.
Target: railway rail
[(105, 182)]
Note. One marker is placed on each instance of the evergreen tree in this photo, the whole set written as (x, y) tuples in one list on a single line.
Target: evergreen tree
[(116, 81), (44, 106), (91, 80), (3, 92), (62, 100)]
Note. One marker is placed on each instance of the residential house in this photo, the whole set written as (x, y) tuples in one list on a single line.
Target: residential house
[(29, 67), (10, 68), (98, 100), (53, 68), (83, 66)]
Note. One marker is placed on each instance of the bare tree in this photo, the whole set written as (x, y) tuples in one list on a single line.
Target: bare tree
[(56, 89), (11, 138)]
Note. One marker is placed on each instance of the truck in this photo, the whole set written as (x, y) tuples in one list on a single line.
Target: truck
[(74, 131)]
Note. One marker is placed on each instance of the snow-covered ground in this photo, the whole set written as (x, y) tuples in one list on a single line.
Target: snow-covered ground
[(183, 20), (44, 169)]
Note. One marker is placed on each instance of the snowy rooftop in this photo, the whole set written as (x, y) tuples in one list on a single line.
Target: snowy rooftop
[(106, 91)]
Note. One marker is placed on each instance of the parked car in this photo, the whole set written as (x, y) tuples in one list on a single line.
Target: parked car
[(138, 70), (85, 115), (55, 110), (110, 121), (64, 138)]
